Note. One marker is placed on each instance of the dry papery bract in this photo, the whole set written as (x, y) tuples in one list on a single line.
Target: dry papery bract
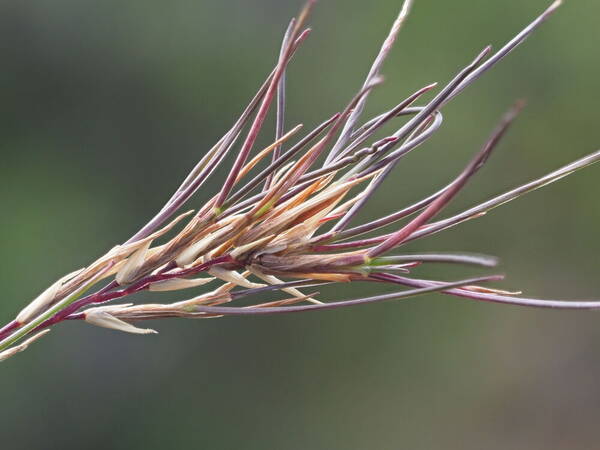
[(280, 220)]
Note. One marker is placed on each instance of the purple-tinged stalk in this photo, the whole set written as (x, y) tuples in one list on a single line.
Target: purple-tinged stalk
[(296, 36), (280, 117), (439, 203), (280, 161), (489, 296), (392, 159), (264, 236), (334, 305), (373, 74), (398, 110)]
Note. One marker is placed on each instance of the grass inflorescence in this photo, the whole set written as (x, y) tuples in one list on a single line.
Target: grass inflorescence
[(287, 227)]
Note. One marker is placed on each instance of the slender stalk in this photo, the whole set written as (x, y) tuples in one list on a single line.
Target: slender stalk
[(278, 163), (230, 310), (492, 298), (280, 116), (261, 115), (483, 208), (371, 76), (441, 201), (33, 325)]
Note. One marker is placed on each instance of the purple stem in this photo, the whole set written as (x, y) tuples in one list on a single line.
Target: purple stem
[(391, 218), (429, 109), (439, 203), (9, 328), (378, 180), (230, 310), (280, 115), (493, 298), (347, 160), (277, 164), (507, 48), (258, 121), (373, 74), (351, 244), (401, 109), (104, 295), (194, 180)]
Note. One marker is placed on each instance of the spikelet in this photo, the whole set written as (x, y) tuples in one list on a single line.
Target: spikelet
[(45, 299), (198, 248), (233, 277), (23, 346), (271, 279), (102, 317), (237, 252), (130, 269), (175, 284)]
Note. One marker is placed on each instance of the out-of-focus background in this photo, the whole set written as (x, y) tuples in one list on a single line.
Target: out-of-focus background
[(105, 105)]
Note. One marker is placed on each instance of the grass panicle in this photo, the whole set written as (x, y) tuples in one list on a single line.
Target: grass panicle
[(281, 220)]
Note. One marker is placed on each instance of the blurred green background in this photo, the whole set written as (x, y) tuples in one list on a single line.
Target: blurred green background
[(107, 104)]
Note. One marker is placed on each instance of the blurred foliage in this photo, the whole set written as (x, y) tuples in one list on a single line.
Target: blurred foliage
[(107, 104)]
